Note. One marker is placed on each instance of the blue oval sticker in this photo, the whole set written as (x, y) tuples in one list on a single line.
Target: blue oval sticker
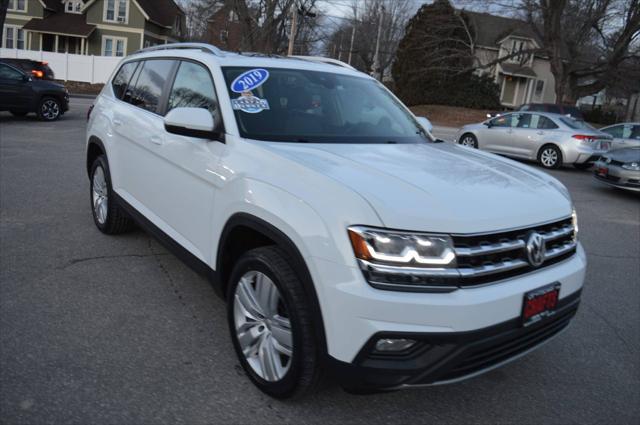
[(250, 80)]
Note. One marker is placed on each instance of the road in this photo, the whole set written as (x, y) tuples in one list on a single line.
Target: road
[(103, 330)]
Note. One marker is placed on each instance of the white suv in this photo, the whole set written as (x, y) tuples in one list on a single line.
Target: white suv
[(346, 240)]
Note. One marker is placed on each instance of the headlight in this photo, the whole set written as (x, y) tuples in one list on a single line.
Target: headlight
[(574, 222), (402, 248), (634, 166)]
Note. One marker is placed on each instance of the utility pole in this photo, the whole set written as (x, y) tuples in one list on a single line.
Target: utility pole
[(353, 37), (294, 28), (376, 56)]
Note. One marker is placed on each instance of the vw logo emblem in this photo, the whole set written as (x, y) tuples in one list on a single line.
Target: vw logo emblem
[(536, 249)]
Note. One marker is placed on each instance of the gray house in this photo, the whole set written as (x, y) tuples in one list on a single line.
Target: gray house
[(524, 78), (91, 27)]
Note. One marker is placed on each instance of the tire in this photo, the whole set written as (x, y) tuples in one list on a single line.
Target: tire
[(18, 113), (255, 277), (108, 216), (583, 166), (49, 109), (550, 157), (469, 140)]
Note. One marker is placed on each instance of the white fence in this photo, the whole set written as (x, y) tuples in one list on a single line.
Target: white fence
[(70, 67)]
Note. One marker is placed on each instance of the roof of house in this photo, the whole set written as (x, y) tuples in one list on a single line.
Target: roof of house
[(52, 4), (162, 12), (61, 23), (491, 29)]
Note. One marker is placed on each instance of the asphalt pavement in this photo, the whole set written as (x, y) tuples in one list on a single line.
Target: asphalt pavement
[(114, 330)]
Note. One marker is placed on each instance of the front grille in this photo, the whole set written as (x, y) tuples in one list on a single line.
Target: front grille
[(490, 257)]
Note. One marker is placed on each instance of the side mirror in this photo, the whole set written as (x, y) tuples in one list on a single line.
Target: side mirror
[(488, 124), (191, 122), (425, 123), (26, 78)]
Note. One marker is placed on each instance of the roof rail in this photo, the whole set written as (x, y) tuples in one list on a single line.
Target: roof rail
[(320, 59), (172, 46)]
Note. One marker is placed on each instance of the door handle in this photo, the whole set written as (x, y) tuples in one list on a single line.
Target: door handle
[(156, 140), (117, 122)]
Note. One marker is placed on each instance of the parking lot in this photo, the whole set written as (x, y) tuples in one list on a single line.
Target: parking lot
[(99, 329)]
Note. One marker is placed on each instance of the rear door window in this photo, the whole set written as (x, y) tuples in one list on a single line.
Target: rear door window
[(148, 89), (122, 78)]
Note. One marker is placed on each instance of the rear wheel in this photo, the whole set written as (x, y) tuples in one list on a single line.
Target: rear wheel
[(469, 140), (108, 216), (550, 157), (49, 109), (271, 325)]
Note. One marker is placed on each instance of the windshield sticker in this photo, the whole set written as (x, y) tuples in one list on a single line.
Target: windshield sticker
[(250, 80), (249, 103)]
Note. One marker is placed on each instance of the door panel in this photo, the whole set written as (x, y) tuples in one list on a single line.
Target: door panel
[(498, 135), (15, 92)]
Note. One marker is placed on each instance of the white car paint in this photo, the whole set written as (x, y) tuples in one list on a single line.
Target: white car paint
[(190, 187)]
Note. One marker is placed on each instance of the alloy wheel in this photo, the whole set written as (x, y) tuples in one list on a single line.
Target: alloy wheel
[(262, 326), (100, 195), (50, 109)]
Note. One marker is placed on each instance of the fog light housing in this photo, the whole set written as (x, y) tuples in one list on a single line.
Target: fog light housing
[(388, 345)]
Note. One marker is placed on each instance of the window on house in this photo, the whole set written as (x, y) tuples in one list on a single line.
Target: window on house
[(12, 38), (113, 46), (224, 36), (73, 7), (115, 10), (17, 5), (539, 89)]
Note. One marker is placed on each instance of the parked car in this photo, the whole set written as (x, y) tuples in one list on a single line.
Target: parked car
[(346, 241), (20, 94), (551, 139), (553, 108), (37, 69), (620, 168), (625, 135)]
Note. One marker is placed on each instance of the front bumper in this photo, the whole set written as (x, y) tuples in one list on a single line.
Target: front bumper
[(441, 358), (615, 175)]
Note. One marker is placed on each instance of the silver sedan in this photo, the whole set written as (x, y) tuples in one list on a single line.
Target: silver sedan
[(551, 139), (625, 135)]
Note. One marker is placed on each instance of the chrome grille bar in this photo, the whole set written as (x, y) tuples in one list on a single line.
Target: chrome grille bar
[(489, 249), (557, 234)]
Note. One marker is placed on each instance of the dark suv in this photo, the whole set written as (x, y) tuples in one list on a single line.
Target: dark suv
[(571, 110), (20, 94), (37, 69)]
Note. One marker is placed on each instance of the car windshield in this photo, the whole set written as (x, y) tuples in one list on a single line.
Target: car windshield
[(292, 105), (576, 124)]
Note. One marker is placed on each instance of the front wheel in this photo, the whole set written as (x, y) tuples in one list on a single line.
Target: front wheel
[(550, 157), (108, 216), (469, 140), (49, 109), (271, 324)]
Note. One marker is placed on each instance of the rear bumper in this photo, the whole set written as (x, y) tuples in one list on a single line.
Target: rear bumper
[(441, 358)]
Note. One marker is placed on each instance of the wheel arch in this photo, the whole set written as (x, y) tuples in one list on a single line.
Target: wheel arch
[(553, 144), (95, 148), (241, 228)]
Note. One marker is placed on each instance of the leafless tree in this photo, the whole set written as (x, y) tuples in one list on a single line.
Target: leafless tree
[(364, 17), (588, 42)]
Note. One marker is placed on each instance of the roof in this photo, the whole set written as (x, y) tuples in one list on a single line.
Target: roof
[(52, 4), (61, 23), (162, 12), (517, 70), (491, 29)]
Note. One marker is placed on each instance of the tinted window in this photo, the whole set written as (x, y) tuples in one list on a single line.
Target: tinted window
[(615, 131), (318, 107), (536, 121), (192, 88), (635, 132), (147, 91), (510, 120), (121, 80), (546, 123), (8, 73)]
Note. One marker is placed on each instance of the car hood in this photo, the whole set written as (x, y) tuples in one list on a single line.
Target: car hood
[(436, 187), (624, 155)]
